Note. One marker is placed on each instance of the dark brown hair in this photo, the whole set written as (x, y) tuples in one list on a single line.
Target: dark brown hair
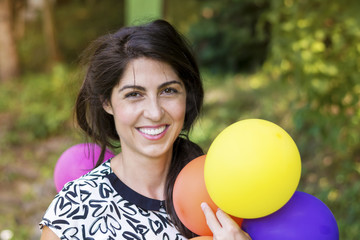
[(107, 59)]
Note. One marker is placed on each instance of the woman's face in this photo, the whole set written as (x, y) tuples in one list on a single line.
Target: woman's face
[(148, 106)]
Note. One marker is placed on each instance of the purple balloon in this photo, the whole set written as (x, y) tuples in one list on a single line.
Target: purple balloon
[(303, 217), (77, 161)]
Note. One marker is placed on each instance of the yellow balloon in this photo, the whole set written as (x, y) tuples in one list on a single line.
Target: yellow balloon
[(252, 168)]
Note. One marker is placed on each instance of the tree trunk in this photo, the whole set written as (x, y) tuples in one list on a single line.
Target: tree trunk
[(9, 61), (50, 33)]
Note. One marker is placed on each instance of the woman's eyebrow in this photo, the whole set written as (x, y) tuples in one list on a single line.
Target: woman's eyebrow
[(140, 88), (134, 87), (169, 83)]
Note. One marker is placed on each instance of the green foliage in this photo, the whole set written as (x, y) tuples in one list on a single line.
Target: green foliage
[(32, 49), (41, 105), (229, 37), (231, 98), (318, 53), (315, 49), (7, 91)]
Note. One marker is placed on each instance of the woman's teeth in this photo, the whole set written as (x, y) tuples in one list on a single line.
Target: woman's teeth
[(152, 131)]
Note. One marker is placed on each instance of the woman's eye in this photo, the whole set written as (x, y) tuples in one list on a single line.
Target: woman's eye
[(132, 95), (170, 91)]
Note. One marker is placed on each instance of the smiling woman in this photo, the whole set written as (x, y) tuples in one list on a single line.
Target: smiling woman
[(148, 116), (143, 90)]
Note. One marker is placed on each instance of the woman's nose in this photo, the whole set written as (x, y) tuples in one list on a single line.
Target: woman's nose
[(153, 110)]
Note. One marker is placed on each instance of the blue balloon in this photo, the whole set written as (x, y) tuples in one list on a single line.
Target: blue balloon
[(303, 217)]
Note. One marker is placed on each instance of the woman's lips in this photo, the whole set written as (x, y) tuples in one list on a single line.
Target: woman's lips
[(153, 133)]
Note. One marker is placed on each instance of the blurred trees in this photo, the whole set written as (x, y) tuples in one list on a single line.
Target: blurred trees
[(50, 32), (9, 63), (231, 36), (49, 37), (14, 18), (315, 49), (40, 33)]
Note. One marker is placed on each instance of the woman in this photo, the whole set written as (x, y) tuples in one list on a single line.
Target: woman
[(143, 89)]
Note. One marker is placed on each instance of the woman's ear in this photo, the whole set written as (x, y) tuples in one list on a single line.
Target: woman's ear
[(107, 107)]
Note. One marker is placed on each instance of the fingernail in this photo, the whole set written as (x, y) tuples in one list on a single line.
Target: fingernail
[(203, 205)]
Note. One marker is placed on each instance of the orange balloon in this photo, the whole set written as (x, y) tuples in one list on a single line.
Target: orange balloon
[(188, 194), (202, 238)]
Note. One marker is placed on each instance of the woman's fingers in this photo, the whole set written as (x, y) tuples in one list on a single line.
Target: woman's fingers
[(211, 219), (225, 219), (232, 227), (222, 225)]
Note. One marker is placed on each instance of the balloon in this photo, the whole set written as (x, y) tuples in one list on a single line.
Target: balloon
[(202, 238), (252, 168), (188, 194), (303, 217), (75, 162)]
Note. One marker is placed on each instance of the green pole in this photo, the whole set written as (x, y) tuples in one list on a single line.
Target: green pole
[(139, 11)]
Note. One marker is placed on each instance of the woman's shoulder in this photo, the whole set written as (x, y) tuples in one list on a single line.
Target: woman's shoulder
[(89, 182), (78, 193)]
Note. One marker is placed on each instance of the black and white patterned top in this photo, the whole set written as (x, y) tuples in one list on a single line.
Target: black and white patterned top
[(100, 206)]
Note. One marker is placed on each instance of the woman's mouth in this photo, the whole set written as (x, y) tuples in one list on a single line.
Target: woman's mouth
[(153, 132)]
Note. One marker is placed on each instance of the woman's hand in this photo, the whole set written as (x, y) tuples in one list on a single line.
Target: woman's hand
[(222, 225)]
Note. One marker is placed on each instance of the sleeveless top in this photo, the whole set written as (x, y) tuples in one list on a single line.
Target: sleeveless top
[(99, 206)]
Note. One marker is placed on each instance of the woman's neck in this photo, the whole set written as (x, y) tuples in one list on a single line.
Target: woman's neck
[(146, 176)]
